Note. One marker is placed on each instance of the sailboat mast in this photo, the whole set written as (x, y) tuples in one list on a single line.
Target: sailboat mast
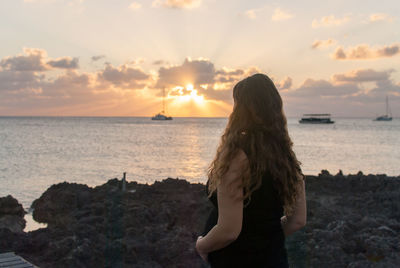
[(163, 100), (387, 106)]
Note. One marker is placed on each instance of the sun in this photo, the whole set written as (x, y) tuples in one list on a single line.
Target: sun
[(189, 93)]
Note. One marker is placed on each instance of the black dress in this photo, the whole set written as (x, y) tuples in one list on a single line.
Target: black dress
[(261, 242)]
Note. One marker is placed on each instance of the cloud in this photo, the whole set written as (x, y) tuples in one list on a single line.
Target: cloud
[(11, 80), (323, 43), (329, 21), (40, 1), (284, 84), (216, 94), (363, 52), (97, 57), (347, 87), (256, 12), (68, 85), (31, 60), (226, 75), (362, 75), (159, 62), (280, 15), (194, 72), (179, 91), (69, 2), (124, 77), (348, 98), (26, 72), (28, 86), (34, 60), (177, 4), (135, 6), (373, 98), (64, 63), (136, 61), (323, 88), (386, 87), (380, 17), (229, 72), (251, 14), (211, 83)]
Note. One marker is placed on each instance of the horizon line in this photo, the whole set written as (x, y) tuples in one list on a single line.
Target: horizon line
[(129, 116)]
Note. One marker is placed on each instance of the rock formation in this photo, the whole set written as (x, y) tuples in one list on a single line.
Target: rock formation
[(353, 221), (11, 214)]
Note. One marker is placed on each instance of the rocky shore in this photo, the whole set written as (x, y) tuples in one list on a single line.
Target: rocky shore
[(353, 221)]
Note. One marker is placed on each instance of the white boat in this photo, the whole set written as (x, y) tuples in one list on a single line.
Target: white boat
[(161, 115), (316, 119), (387, 116)]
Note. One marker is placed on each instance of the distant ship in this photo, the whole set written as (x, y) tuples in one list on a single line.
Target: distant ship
[(316, 119), (387, 116), (161, 115)]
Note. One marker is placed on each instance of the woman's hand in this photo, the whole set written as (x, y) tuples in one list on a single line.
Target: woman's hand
[(203, 255)]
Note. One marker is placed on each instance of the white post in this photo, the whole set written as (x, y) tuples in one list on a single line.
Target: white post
[(124, 182)]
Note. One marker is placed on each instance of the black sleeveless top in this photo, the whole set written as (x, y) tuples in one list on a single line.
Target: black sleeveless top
[(261, 242)]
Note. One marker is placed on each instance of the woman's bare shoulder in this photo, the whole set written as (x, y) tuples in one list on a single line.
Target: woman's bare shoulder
[(238, 164)]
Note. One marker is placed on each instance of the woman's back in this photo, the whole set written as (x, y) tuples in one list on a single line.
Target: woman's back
[(261, 242), (255, 149)]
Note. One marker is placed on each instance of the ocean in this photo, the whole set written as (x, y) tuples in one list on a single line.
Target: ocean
[(36, 152)]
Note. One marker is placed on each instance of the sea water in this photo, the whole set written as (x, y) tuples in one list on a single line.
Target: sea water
[(36, 152)]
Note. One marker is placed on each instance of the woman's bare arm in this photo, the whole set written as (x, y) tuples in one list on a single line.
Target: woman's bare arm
[(230, 208), (297, 220)]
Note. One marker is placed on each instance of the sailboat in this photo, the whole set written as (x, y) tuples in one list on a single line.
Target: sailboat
[(387, 116), (161, 115)]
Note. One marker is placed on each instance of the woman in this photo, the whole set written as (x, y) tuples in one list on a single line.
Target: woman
[(255, 183)]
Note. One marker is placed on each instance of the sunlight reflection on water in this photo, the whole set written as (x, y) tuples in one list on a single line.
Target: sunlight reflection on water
[(38, 152)]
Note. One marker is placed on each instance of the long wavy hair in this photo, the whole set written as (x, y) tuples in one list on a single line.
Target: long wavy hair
[(258, 124)]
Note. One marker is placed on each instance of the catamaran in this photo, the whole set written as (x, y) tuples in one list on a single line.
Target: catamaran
[(387, 116), (316, 119)]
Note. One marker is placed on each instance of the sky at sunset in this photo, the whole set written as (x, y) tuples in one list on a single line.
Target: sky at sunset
[(114, 58)]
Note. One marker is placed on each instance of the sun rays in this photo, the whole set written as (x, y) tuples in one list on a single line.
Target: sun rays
[(187, 94)]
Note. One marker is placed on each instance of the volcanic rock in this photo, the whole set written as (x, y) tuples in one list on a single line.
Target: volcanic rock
[(11, 214)]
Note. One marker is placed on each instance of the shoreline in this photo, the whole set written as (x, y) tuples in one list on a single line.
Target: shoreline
[(352, 221), (32, 225)]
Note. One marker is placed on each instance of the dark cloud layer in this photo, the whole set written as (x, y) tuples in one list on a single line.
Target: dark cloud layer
[(64, 63), (97, 57), (323, 88), (347, 87), (11, 80), (159, 62), (32, 60), (364, 52), (364, 75), (26, 81), (322, 43), (194, 72), (124, 76)]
